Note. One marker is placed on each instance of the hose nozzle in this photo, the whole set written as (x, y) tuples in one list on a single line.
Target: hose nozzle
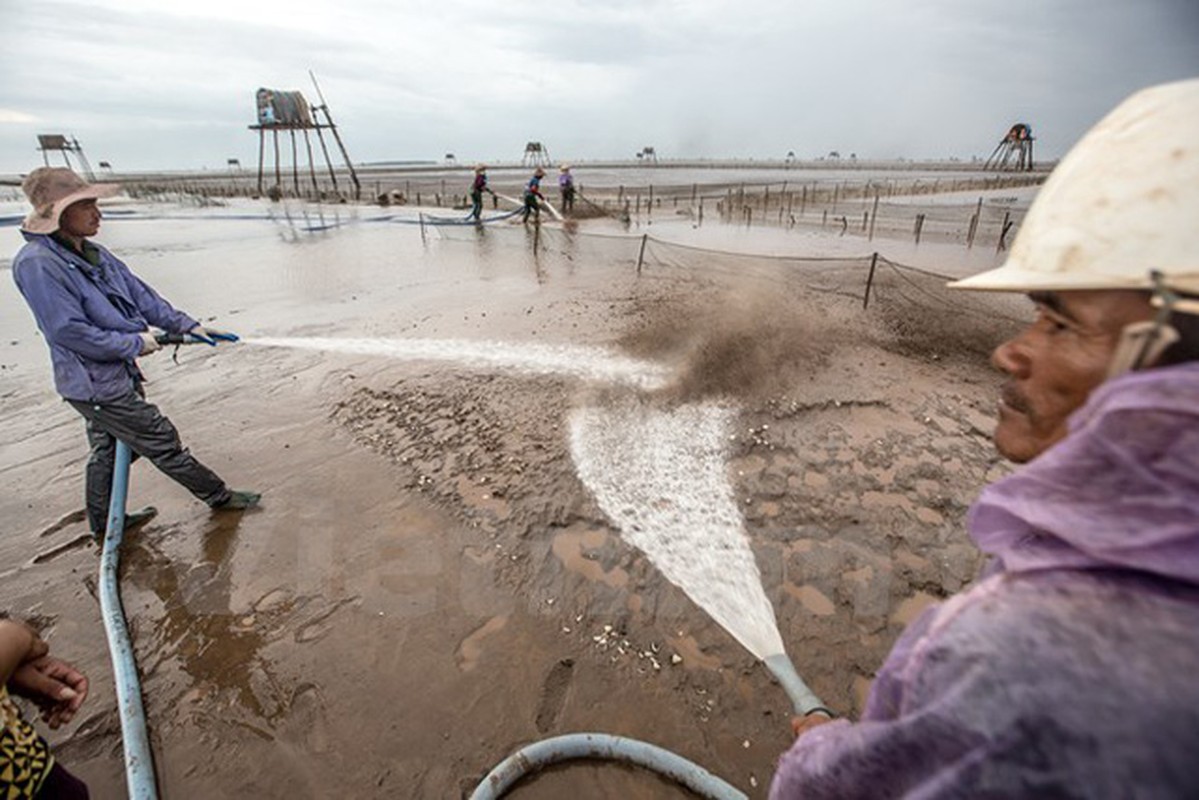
[(804, 700)]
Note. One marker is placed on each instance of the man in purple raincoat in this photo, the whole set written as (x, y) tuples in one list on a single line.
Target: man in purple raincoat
[(1069, 669), (96, 317)]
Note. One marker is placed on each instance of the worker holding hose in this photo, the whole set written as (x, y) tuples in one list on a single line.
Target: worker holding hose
[(566, 188), (533, 196), (477, 188), (1067, 670), (96, 317)]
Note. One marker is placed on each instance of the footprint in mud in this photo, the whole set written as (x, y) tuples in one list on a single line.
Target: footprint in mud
[(319, 625), (306, 718), (553, 695), (471, 648), (98, 736), (67, 519), (82, 540)]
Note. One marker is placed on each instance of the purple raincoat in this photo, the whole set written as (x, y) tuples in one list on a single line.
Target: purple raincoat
[(1071, 671)]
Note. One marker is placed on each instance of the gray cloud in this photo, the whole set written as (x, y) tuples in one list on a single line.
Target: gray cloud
[(146, 85)]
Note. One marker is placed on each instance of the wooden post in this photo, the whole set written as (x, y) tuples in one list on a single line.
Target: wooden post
[(803, 201), (421, 217), (974, 222), (344, 154), (1003, 231), (701, 211), (919, 226), (694, 189), (261, 153), (278, 173), (641, 252), (869, 281), (311, 168), (320, 137), (873, 218), (295, 164)]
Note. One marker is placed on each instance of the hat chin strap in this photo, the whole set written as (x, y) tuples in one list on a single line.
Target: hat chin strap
[(1141, 344)]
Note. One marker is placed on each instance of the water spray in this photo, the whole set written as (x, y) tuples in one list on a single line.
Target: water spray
[(660, 475)]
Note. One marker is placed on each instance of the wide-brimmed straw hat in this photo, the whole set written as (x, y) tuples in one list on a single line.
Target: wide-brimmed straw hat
[(51, 189), (539, 172), (480, 167), (564, 168)]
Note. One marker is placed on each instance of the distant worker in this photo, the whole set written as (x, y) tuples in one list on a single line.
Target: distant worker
[(1068, 670), (27, 767), (476, 192), (95, 316), (566, 186), (533, 196)]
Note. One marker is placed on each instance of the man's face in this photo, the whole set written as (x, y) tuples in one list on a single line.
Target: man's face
[(1055, 363), (80, 219)]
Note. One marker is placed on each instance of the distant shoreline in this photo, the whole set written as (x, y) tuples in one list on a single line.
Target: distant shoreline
[(423, 167)]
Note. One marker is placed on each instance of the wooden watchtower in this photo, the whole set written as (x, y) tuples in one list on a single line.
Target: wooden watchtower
[(536, 155), (1014, 150), (57, 143), (648, 155), (290, 112)]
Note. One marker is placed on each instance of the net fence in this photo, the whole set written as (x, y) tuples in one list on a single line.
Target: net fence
[(912, 305)]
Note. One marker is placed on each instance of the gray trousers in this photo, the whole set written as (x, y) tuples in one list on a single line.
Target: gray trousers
[(148, 433)]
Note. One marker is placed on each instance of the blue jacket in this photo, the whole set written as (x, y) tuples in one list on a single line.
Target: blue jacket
[(90, 316)]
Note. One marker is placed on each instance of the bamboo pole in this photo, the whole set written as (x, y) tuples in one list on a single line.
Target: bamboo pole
[(869, 281)]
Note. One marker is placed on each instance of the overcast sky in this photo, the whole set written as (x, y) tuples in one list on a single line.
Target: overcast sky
[(150, 84)]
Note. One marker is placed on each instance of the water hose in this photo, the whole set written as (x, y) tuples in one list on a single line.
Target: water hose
[(139, 762), (803, 698), (603, 746)]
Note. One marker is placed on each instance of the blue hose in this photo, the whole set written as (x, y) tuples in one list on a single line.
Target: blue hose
[(603, 746), (139, 762)]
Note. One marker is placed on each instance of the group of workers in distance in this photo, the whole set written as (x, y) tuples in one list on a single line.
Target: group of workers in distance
[(1066, 670), (533, 197)]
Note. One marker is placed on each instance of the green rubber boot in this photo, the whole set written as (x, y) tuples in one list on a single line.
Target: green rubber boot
[(132, 520), (239, 500)]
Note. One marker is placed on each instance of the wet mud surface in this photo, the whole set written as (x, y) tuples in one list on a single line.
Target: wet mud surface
[(428, 584)]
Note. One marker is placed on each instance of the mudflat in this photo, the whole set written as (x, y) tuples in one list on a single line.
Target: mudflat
[(428, 584)]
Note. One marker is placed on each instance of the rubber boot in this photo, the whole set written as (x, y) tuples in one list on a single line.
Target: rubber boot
[(239, 500)]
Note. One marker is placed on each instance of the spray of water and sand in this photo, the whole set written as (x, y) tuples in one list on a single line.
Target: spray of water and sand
[(658, 472), (588, 364)]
